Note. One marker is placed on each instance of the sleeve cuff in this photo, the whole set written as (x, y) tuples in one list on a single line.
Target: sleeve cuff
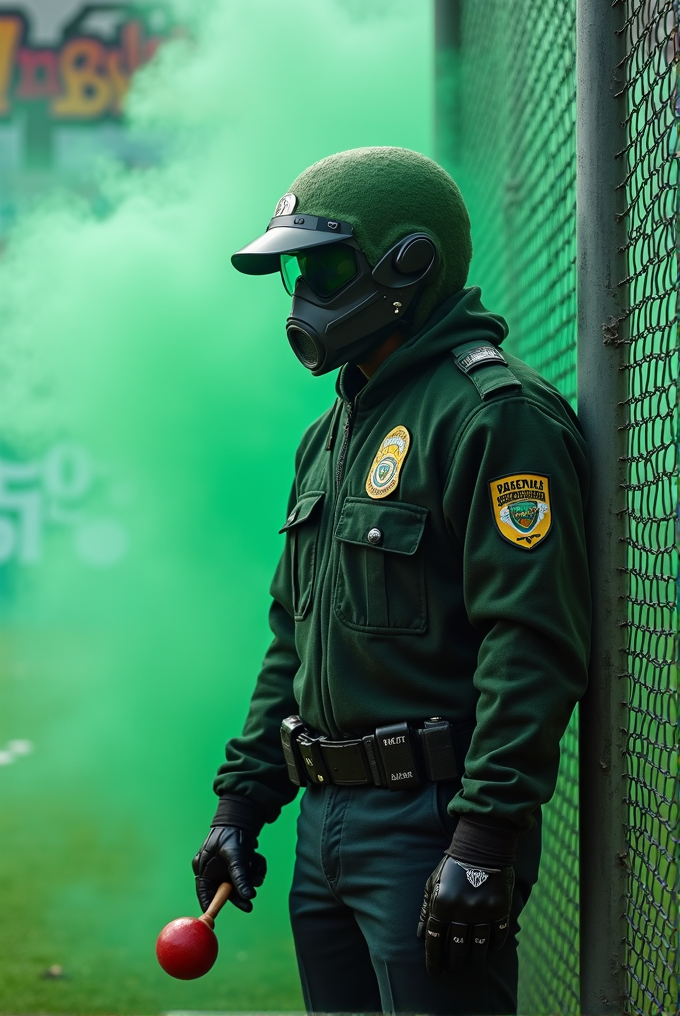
[(238, 811), (484, 843)]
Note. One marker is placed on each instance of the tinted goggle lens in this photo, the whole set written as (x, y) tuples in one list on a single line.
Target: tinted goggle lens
[(324, 269)]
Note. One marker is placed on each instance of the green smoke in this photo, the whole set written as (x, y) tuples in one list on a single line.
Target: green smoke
[(149, 396)]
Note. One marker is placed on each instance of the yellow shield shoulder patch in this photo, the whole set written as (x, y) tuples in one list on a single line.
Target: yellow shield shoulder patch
[(521, 508), (383, 476)]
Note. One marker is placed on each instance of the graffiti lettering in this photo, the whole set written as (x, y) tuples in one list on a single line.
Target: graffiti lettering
[(10, 33), (84, 70), (83, 79)]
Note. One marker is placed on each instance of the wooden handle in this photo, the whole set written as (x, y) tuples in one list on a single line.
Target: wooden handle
[(219, 899)]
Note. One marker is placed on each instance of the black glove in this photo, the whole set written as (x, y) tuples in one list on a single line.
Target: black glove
[(229, 855), (467, 901), (465, 913)]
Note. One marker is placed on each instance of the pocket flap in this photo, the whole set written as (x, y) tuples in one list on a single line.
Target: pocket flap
[(392, 526), (303, 509)]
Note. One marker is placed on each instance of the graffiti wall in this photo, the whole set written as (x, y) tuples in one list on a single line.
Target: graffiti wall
[(65, 69)]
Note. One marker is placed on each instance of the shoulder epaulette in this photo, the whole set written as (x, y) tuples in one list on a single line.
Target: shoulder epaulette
[(486, 367)]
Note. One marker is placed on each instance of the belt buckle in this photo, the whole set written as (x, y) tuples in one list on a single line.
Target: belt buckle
[(346, 762)]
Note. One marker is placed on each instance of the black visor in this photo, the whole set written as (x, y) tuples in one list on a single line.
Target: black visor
[(288, 234)]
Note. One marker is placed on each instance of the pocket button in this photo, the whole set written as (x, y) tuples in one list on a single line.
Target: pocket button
[(374, 536)]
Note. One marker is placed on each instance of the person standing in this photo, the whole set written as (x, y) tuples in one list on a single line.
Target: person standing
[(430, 611)]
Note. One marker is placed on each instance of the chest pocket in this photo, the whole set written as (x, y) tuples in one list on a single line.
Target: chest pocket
[(380, 585), (302, 528)]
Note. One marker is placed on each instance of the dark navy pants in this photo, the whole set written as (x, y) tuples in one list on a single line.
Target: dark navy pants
[(363, 857)]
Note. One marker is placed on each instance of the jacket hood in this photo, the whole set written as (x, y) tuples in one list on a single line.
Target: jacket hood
[(461, 318)]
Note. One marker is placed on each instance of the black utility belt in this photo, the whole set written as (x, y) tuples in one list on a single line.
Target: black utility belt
[(399, 756)]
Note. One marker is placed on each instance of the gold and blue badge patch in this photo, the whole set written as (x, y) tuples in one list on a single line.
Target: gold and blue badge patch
[(521, 508), (383, 476)]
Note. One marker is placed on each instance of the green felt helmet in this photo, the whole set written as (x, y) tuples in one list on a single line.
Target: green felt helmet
[(364, 240), (385, 194)]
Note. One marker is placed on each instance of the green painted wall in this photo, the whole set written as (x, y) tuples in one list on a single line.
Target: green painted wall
[(150, 412)]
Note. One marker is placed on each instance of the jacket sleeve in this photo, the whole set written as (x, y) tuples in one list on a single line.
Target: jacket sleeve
[(529, 602), (254, 766)]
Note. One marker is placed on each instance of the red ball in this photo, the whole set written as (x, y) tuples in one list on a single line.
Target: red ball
[(186, 948)]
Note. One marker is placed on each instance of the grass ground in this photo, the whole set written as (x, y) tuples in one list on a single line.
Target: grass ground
[(56, 912), (102, 979)]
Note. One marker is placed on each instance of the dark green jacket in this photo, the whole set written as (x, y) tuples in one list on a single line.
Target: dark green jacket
[(454, 613)]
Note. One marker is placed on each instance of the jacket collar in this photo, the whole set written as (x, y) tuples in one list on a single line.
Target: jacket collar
[(461, 318)]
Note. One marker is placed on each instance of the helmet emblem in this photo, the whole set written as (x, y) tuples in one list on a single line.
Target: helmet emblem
[(286, 205)]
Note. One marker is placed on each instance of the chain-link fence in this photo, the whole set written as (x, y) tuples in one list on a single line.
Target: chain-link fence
[(652, 423), (506, 104), (506, 112)]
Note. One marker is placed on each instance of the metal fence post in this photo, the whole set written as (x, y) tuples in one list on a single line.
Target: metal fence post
[(448, 18), (602, 391)]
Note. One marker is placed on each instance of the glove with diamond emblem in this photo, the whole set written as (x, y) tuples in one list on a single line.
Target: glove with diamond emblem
[(466, 907)]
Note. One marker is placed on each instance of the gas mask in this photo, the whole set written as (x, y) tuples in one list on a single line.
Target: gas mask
[(341, 306)]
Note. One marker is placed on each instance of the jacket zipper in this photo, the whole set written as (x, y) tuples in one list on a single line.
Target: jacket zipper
[(342, 454), (339, 470)]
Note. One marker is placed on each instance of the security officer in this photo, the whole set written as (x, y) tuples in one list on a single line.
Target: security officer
[(430, 610)]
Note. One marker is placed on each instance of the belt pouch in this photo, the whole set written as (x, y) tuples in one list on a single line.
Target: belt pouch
[(310, 751), (436, 741), (291, 727), (398, 759)]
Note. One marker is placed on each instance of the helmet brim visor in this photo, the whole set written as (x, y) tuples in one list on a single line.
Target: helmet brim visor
[(287, 234)]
